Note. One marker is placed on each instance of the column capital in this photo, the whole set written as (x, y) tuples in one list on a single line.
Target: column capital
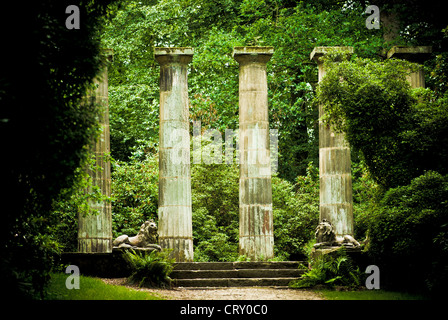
[(319, 52), (413, 54), (181, 55), (252, 54)]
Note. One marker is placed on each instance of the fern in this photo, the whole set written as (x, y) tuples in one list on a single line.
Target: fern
[(330, 270), (149, 269)]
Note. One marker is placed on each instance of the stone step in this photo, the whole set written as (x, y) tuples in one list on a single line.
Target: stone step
[(233, 282), (238, 265), (237, 273)]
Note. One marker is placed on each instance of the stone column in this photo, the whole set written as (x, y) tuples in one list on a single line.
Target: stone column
[(256, 238), (95, 229), (412, 54), (175, 215), (336, 200)]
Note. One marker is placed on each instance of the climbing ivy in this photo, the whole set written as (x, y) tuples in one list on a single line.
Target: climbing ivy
[(400, 132)]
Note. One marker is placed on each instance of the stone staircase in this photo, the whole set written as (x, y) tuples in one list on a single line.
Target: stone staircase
[(236, 274)]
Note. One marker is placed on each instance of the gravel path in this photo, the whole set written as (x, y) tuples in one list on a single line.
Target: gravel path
[(232, 293)]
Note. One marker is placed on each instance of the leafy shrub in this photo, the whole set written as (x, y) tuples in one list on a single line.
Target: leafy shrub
[(75, 201), (149, 269), (335, 268), (365, 192), (408, 234), (401, 132), (217, 248), (215, 199), (296, 213), (215, 204), (402, 135), (438, 76), (134, 193)]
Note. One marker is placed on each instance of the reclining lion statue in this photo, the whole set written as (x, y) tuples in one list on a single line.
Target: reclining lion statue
[(326, 236), (147, 237)]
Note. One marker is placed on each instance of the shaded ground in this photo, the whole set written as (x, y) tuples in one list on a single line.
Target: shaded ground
[(232, 293)]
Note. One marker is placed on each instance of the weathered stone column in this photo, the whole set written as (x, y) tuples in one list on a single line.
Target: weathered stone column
[(336, 200), (256, 238), (95, 230), (412, 54), (175, 215)]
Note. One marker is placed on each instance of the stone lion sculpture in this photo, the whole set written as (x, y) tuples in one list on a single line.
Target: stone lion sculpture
[(326, 236), (147, 237), (325, 233)]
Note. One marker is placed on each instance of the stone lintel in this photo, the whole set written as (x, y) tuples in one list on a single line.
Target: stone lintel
[(319, 52), (412, 54)]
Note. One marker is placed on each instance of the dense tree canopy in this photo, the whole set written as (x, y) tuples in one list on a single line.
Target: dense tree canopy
[(213, 29)]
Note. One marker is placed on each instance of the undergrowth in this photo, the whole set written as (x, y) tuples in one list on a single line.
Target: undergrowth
[(333, 269), (149, 269)]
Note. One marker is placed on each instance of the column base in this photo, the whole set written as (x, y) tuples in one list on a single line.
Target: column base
[(182, 248), (94, 245), (257, 248)]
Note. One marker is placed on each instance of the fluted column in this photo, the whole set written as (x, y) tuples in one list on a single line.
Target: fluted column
[(95, 229), (336, 200), (175, 214), (256, 237)]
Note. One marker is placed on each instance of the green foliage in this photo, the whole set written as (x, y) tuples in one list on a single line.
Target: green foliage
[(134, 118), (426, 139), (150, 269), (438, 73), (213, 29), (335, 268), (134, 194), (296, 213), (219, 247), (133, 78), (46, 129), (365, 193), (75, 201), (419, 22), (401, 135), (294, 30), (215, 204), (408, 234), (215, 199), (400, 132)]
